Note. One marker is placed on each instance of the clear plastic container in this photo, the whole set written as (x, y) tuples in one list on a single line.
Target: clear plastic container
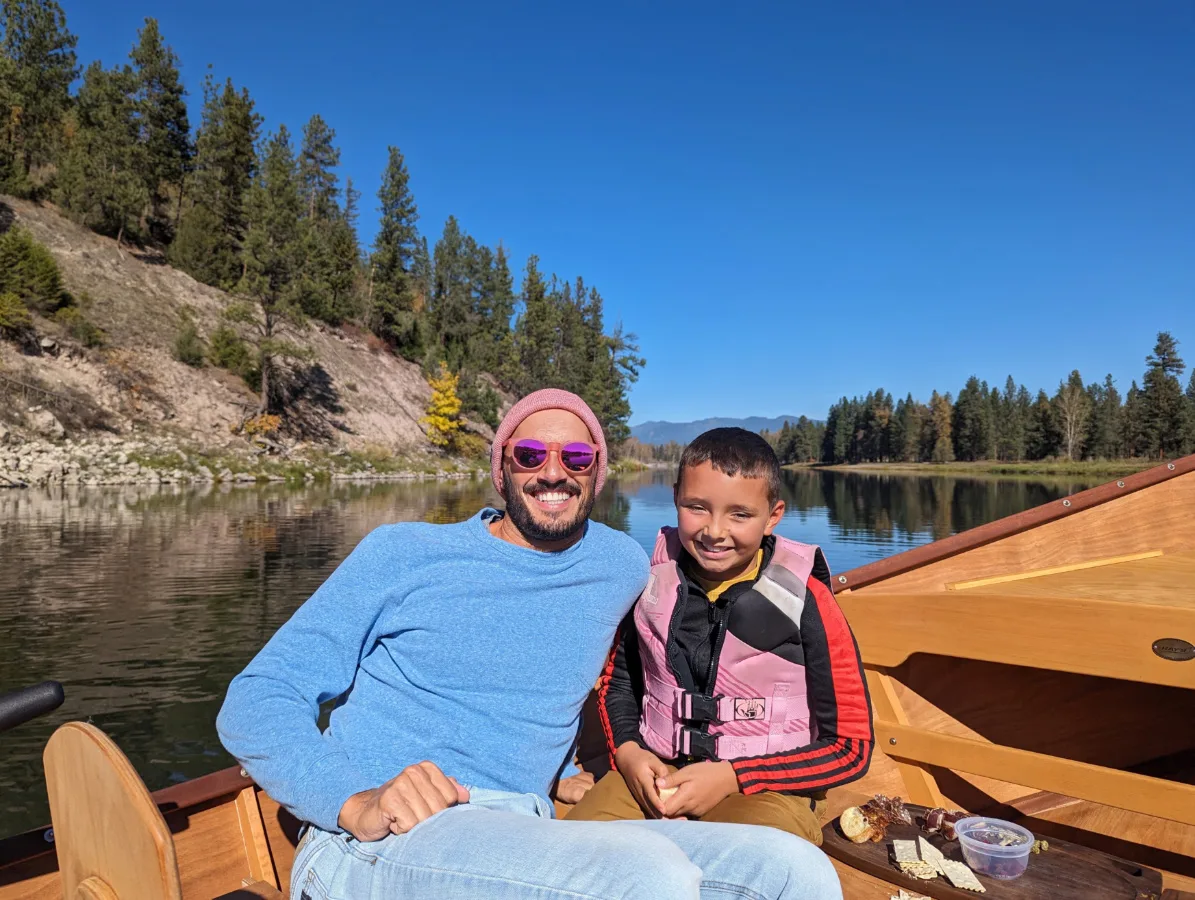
[(994, 847)]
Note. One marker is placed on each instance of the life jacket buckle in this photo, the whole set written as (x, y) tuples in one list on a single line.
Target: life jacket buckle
[(697, 708), (696, 744)]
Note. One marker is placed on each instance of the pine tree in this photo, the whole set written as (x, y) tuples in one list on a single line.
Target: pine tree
[(100, 182), (1042, 438), (1163, 410), (330, 251), (271, 256), (1072, 412), (396, 311), (1010, 441), (41, 65), (535, 335), (318, 159), (971, 423), (443, 412), (941, 415), (343, 261), (1191, 412), (452, 316), (1107, 441), (164, 131), (212, 229), (1132, 424)]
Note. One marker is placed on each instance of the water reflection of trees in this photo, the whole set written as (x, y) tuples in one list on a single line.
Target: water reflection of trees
[(885, 506)]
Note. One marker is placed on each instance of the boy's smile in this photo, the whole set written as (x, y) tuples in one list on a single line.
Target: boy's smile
[(722, 519)]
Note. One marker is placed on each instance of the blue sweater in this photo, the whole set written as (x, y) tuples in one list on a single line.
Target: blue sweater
[(447, 644)]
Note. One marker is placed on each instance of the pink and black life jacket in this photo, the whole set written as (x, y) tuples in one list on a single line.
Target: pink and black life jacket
[(757, 701)]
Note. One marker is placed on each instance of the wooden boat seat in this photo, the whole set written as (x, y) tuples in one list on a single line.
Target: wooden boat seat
[(112, 842)]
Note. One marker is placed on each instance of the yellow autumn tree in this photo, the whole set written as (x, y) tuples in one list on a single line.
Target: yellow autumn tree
[(443, 419)]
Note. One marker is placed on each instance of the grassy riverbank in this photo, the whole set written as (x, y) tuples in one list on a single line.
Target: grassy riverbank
[(1041, 468)]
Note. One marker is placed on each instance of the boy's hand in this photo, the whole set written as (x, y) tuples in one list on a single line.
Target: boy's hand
[(417, 793), (573, 788), (639, 769), (699, 788)]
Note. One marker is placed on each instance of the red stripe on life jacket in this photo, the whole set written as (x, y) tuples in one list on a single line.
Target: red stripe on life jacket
[(603, 690), (850, 690)]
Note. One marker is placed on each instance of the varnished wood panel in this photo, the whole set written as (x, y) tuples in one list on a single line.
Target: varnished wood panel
[(1090, 637), (282, 832), (108, 831), (1103, 721), (1156, 518), (1160, 581), (210, 851)]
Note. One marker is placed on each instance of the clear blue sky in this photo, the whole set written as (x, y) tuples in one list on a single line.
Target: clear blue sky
[(787, 202)]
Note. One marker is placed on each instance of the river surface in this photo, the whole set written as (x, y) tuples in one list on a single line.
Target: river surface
[(145, 602)]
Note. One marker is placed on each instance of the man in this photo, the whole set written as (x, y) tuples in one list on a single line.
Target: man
[(461, 656)]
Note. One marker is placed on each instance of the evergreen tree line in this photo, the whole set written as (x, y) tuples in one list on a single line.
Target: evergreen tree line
[(1079, 421), (265, 217)]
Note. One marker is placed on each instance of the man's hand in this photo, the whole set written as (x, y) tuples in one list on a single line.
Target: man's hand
[(699, 788), (573, 788), (417, 793), (639, 769)]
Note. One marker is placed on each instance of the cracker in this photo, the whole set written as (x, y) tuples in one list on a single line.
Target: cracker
[(905, 851), (919, 869), (931, 855), (962, 877)]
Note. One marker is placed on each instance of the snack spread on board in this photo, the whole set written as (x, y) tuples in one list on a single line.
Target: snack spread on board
[(992, 847)]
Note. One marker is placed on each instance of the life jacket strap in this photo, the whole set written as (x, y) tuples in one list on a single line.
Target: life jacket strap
[(704, 708)]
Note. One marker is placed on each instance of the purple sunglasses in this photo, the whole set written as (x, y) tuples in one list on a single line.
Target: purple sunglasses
[(531, 455)]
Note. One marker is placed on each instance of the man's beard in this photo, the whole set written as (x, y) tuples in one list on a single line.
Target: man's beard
[(520, 512)]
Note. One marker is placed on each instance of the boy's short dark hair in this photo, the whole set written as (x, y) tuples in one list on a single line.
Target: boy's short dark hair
[(734, 451)]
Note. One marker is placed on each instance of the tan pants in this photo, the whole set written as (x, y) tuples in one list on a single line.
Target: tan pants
[(610, 800)]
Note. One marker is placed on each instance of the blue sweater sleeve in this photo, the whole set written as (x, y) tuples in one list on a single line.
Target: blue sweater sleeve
[(269, 717)]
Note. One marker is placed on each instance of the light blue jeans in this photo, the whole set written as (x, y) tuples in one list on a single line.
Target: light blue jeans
[(501, 846)]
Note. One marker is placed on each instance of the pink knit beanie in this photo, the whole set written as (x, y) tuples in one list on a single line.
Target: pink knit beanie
[(548, 398)]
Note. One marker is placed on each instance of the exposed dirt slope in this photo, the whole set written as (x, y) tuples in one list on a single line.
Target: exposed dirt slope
[(352, 396)]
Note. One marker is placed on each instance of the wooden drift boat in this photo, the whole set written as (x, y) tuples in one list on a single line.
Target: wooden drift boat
[(1040, 669)]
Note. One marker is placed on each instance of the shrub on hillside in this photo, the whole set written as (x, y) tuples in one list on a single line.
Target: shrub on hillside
[(471, 446), (15, 321), (228, 350), (28, 270), (188, 345), (77, 326), (479, 398)]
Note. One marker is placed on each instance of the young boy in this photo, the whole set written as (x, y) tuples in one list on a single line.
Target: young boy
[(735, 690)]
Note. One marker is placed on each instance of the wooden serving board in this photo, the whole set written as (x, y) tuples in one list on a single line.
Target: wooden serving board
[(1064, 872)]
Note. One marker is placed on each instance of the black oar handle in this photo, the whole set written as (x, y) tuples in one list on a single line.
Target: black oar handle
[(18, 707)]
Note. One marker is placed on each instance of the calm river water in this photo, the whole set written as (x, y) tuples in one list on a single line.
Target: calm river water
[(145, 602)]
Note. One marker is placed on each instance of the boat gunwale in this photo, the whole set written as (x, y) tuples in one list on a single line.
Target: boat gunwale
[(187, 795), (972, 538)]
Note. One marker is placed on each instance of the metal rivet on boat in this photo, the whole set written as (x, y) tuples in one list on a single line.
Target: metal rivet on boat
[(244, 774), (1120, 484), (892, 741), (1170, 466), (842, 579), (48, 835), (1066, 503)]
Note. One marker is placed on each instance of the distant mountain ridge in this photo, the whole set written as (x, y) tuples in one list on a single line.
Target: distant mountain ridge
[(683, 432)]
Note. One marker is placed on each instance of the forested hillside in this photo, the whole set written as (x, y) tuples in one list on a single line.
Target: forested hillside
[(258, 210)]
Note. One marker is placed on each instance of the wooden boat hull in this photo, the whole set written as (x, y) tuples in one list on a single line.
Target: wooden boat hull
[(1005, 664)]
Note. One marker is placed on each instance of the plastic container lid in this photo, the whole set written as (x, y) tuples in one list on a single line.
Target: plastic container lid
[(994, 847)]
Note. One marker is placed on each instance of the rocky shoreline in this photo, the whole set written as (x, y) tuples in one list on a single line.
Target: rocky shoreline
[(114, 460)]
